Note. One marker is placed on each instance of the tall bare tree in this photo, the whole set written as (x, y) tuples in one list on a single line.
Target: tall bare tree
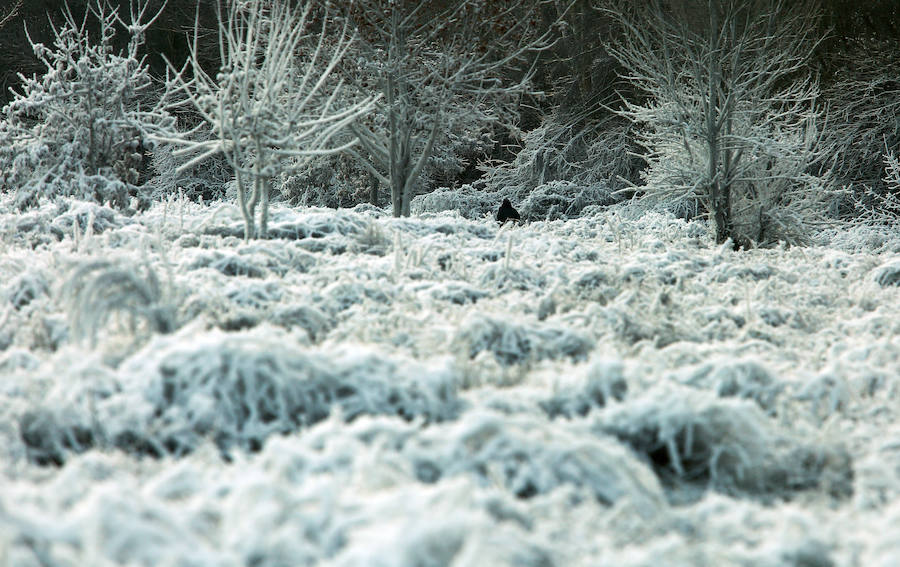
[(730, 117), (434, 62)]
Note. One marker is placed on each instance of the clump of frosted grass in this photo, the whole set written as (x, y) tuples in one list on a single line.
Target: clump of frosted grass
[(96, 290), (237, 389), (513, 342), (693, 437)]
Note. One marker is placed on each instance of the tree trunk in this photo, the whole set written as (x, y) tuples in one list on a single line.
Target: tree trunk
[(249, 228), (404, 208), (396, 192), (373, 189), (719, 188)]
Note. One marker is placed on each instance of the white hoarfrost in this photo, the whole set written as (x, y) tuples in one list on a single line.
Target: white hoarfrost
[(361, 390)]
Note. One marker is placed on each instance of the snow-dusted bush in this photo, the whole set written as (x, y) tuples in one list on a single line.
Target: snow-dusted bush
[(325, 181), (892, 178), (468, 201), (863, 109), (205, 181), (82, 128), (549, 201), (585, 155), (563, 200)]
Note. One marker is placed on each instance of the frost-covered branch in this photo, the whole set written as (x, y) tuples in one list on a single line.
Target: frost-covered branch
[(12, 13)]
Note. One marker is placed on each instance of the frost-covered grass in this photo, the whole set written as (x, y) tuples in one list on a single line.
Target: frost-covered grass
[(363, 390)]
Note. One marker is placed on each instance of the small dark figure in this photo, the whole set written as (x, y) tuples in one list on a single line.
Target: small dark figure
[(507, 213)]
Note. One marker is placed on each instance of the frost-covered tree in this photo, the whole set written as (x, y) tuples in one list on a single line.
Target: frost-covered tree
[(270, 99), (883, 207), (730, 118), (437, 65), (864, 115), (82, 127)]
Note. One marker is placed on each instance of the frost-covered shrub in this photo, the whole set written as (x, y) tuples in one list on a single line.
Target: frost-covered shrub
[(84, 217), (456, 156), (204, 181), (520, 343), (563, 200), (863, 110), (468, 201), (327, 181), (601, 153), (549, 201), (339, 181), (82, 128)]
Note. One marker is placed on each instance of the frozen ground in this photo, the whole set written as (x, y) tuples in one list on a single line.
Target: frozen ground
[(368, 391)]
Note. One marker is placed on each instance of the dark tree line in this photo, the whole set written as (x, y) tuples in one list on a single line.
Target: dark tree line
[(577, 73)]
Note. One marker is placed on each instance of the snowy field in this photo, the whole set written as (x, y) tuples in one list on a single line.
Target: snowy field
[(434, 391)]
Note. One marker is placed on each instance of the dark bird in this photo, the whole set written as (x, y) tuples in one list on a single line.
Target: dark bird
[(507, 212)]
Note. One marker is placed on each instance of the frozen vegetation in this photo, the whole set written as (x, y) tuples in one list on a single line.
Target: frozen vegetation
[(362, 390)]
